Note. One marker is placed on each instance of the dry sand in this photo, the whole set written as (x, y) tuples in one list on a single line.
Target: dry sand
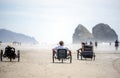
[(37, 63)]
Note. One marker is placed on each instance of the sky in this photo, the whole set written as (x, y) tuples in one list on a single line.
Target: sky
[(50, 21)]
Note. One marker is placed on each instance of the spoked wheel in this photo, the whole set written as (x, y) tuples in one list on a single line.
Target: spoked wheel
[(70, 58), (53, 58), (94, 56), (77, 55), (18, 54), (1, 55), (81, 55)]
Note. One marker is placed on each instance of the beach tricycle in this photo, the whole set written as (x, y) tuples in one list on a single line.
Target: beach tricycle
[(61, 55), (86, 52), (10, 53)]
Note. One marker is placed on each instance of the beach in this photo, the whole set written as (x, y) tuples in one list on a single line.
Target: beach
[(37, 63)]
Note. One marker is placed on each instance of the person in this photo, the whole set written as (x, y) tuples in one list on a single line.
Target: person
[(0, 42), (83, 44), (9, 50), (116, 44), (96, 44), (110, 43), (91, 43), (61, 46)]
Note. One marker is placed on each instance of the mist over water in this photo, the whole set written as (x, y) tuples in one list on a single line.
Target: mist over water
[(106, 48), (101, 48)]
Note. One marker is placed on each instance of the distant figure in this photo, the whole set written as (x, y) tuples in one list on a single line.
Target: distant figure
[(61, 46), (0, 42), (110, 43), (16, 43), (116, 44), (91, 43), (96, 44)]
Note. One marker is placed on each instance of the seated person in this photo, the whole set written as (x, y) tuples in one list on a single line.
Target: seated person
[(61, 46), (83, 44), (85, 47), (9, 50)]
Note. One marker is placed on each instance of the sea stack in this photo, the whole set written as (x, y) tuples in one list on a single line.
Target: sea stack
[(81, 34), (104, 33)]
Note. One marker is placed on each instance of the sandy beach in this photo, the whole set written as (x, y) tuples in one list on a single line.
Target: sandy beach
[(37, 63)]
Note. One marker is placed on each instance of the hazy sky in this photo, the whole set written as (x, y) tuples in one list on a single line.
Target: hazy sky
[(52, 20)]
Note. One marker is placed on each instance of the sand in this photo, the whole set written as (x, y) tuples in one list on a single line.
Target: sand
[(37, 63)]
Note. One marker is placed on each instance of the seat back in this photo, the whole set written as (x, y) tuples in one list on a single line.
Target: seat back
[(88, 48), (62, 53), (87, 51)]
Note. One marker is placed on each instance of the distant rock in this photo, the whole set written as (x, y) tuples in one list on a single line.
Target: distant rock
[(81, 34), (103, 32), (9, 36)]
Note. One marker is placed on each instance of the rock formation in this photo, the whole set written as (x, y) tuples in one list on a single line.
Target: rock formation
[(81, 34), (103, 32)]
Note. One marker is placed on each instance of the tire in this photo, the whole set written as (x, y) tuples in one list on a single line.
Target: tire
[(62, 60), (71, 59), (77, 55), (1, 55), (18, 54), (53, 59), (94, 57)]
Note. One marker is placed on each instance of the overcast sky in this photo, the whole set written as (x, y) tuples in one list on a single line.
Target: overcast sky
[(50, 21)]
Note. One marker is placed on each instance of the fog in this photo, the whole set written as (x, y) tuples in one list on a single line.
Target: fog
[(50, 21), (101, 48)]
